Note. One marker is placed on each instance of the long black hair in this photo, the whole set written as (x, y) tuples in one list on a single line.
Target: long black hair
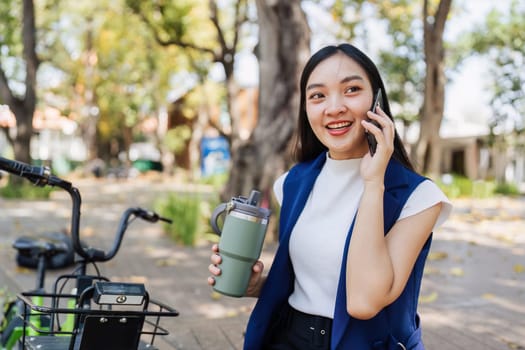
[(307, 145)]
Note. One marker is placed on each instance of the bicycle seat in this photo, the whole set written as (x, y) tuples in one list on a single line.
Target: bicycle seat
[(55, 247), (37, 246)]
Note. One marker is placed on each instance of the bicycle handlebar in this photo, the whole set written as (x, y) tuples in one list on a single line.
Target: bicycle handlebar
[(150, 216), (144, 214), (38, 175), (41, 176)]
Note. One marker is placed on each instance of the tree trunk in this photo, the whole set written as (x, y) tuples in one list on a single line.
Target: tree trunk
[(24, 108), (427, 152), (91, 116), (284, 39), (24, 130)]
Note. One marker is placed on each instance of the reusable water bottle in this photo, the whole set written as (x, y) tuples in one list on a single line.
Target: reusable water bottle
[(240, 243)]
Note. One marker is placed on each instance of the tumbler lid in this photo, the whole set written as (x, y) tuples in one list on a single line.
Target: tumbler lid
[(250, 205)]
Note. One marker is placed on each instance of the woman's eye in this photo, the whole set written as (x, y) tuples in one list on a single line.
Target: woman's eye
[(351, 89), (316, 96)]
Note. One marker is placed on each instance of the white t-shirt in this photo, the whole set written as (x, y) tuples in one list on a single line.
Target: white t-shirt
[(318, 238)]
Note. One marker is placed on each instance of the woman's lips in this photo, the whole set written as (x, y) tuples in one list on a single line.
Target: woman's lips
[(338, 128), (339, 125)]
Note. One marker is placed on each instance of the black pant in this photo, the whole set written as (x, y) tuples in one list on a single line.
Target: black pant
[(299, 331)]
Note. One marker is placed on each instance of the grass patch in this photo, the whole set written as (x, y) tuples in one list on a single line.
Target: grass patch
[(25, 191), (455, 186)]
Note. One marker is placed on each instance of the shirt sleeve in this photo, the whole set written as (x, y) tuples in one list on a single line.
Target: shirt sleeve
[(278, 188), (425, 196)]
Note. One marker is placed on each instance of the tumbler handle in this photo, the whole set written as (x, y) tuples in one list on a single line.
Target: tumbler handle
[(215, 216)]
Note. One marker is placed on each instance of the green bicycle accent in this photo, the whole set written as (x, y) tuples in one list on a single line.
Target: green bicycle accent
[(12, 327)]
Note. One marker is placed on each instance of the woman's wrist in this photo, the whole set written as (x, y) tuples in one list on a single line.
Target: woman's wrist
[(255, 291), (374, 186)]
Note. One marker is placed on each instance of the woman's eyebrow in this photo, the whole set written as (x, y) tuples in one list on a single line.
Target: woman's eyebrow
[(314, 86), (343, 81), (350, 78)]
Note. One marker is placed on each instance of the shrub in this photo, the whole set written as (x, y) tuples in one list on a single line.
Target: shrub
[(483, 189), (455, 186), (185, 211), (507, 189)]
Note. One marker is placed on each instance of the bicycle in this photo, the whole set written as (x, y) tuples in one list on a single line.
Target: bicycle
[(97, 313)]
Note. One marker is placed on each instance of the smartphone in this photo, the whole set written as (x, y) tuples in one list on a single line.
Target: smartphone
[(370, 138)]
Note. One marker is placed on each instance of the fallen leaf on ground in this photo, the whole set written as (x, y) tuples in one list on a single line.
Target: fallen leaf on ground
[(458, 259), (488, 296), (232, 313), (505, 239), (429, 270), (437, 255), (426, 299), (215, 295), (23, 270), (457, 271), (513, 346), (149, 249), (519, 268), (166, 262)]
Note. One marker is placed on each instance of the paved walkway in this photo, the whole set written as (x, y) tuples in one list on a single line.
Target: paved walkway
[(473, 294)]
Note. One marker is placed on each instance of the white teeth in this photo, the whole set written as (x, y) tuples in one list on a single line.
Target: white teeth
[(339, 125)]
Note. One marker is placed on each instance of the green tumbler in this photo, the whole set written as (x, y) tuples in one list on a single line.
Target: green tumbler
[(240, 243)]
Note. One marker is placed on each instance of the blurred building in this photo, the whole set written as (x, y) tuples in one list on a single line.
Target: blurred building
[(470, 150)]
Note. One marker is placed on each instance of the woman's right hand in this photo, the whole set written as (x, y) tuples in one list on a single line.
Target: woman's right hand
[(256, 279), (215, 261)]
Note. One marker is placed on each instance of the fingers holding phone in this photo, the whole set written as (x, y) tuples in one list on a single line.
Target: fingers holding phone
[(381, 121), (370, 138)]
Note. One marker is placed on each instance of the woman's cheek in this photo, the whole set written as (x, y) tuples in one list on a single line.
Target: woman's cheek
[(314, 111)]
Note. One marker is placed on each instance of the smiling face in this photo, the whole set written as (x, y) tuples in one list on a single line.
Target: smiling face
[(338, 95)]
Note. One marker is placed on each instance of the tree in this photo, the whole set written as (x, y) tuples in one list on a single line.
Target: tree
[(403, 62), (350, 18), (427, 151), (22, 103), (406, 77), (284, 39), (114, 78), (502, 39), (283, 47), (216, 41), (400, 59)]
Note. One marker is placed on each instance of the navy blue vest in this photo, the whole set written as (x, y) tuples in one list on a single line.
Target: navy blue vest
[(397, 323)]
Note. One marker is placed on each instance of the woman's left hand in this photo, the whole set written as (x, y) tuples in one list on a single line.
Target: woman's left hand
[(373, 167)]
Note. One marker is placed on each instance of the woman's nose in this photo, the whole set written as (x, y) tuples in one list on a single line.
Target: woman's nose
[(335, 106)]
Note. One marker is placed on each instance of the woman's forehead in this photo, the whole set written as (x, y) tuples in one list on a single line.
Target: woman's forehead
[(337, 67)]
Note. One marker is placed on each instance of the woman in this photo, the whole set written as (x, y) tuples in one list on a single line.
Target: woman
[(355, 228)]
